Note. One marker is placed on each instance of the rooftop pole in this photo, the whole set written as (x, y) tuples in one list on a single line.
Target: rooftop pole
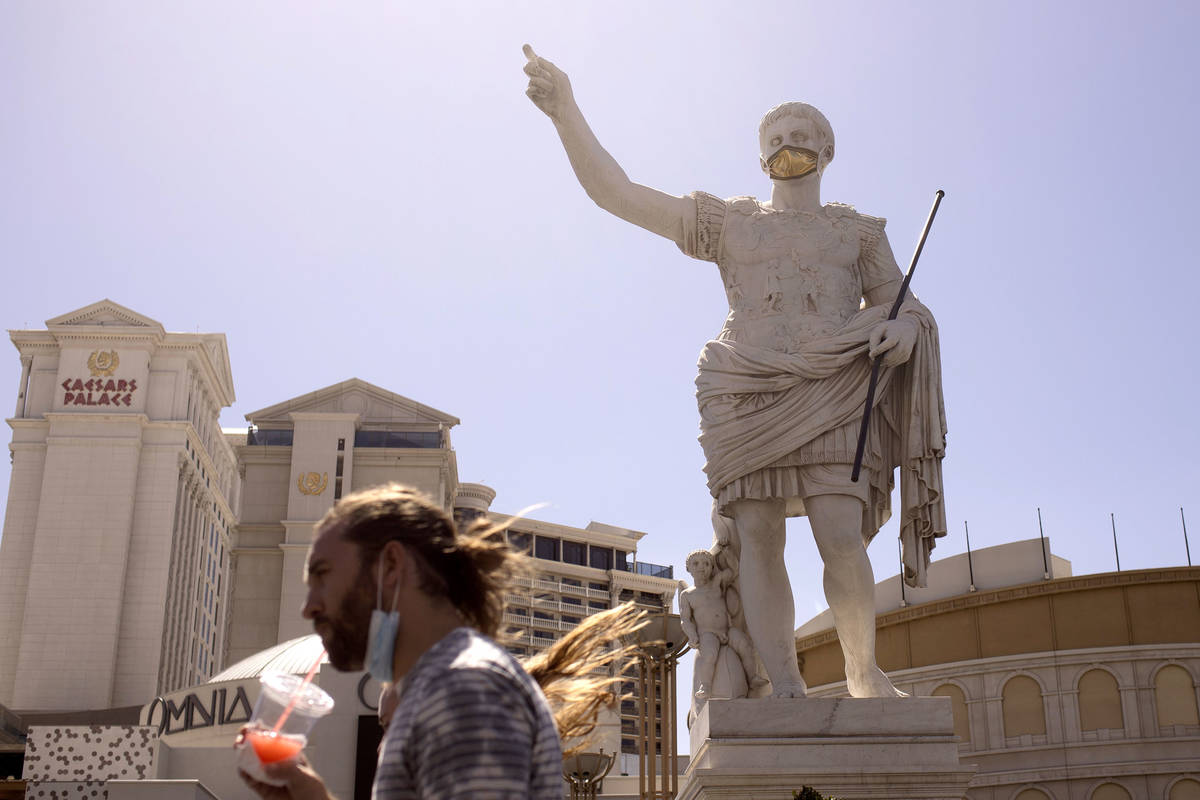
[(1042, 537), (1187, 549), (1113, 518), (970, 567)]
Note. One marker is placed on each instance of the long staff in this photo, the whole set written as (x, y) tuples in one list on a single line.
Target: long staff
[(862, 432)]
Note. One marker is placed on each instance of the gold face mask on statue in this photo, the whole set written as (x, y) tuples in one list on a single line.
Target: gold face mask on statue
[(790, 163)]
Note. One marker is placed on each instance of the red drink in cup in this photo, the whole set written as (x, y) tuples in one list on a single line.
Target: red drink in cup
[(287, 708), (270, 746)]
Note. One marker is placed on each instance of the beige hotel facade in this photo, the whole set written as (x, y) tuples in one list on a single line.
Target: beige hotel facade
[(151, 564)]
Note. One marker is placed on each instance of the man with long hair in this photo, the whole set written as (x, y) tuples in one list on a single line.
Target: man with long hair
[(470, 720)]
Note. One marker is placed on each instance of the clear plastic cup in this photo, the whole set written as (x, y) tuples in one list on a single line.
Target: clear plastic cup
[(263, 743)]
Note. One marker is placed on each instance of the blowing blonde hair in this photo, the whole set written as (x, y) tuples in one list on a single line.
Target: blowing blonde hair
[(473, 570)]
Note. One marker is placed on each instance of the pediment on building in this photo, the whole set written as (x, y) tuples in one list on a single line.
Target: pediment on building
[(374, 405), (217, 350), (105, 313)]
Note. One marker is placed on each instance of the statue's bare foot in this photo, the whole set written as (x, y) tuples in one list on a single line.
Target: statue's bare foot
[(790, 689), (757, 682), (871, 682)]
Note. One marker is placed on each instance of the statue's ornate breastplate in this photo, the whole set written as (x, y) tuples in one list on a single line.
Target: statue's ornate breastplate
[(790, 276)]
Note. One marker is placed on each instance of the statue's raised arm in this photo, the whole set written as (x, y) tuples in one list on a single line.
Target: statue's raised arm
[(598, 172)]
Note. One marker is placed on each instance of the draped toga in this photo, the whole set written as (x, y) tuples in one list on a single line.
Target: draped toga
[(783, 384)]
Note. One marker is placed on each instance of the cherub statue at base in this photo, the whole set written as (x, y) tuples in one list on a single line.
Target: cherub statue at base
[(706, 621)]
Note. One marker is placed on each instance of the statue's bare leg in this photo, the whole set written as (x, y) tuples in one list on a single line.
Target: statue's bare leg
[(706, 664), (767, 593), (745, 653), (836, 521)]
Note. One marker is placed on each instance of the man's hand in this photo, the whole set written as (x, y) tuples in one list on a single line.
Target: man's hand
[(894, 340), (301, 781), (549, 88)]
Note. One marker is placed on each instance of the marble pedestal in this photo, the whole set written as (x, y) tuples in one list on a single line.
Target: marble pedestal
[(879, 748)]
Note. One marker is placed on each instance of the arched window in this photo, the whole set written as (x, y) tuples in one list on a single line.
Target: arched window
[(1186, 789), (1099, 701), (1110, 791), (1022, 704), (1032, 794), (1175, 696), (958, 705)]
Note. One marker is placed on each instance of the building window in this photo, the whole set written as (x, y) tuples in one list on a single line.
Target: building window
[(1186, 789), (1099, 701), (958, 707), (520, 612), (572, 582), (269, 438), (650, 598), (543, 635), (597, 605), (1110, 791), (571, 620), (600, 557), (599, 587), (546, 547), (622, 561), (574, 553), (409, 439), (519, 541), (341, 445), (571, 601), (1175, 697), (1023, 710)]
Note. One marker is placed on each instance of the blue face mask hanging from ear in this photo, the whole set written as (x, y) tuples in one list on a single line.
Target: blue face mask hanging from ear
[(381, 638)]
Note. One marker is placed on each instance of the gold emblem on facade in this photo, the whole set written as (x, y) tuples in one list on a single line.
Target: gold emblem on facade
[(312, 482), (103, 364)]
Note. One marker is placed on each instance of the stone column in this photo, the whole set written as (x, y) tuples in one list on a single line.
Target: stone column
[(23, 386)]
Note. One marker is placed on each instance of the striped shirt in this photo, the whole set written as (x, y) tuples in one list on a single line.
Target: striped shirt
[(470, 723)]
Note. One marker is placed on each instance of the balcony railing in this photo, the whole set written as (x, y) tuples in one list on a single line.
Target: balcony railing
[(653, 570)]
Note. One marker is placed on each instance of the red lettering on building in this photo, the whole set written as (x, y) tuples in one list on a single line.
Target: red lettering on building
[(111, 392)]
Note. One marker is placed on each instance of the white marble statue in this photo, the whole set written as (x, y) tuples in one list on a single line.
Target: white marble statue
[(781, 388), (704, 610)]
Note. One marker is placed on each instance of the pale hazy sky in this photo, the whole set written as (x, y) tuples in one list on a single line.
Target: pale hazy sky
[(364, 190)]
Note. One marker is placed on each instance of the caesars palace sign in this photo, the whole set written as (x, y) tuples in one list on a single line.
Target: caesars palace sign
[(100, 389)]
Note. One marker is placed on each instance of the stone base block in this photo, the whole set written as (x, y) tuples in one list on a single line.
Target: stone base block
[(878, 748)]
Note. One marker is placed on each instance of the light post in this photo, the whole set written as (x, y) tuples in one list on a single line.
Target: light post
[(660, 644), (585, 771)]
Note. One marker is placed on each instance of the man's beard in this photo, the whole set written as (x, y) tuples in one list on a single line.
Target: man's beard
[(345, 636)]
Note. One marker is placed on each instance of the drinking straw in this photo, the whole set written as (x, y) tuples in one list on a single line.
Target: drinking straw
[(299, 690)]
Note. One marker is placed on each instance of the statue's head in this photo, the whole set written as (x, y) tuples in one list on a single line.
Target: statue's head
[(700, 564), (794, 141)]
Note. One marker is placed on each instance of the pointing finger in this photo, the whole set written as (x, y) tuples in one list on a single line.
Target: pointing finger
[(533, 68), (528, 51)]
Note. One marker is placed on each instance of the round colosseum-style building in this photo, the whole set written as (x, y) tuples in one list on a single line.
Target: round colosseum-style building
[(1063, 687)]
